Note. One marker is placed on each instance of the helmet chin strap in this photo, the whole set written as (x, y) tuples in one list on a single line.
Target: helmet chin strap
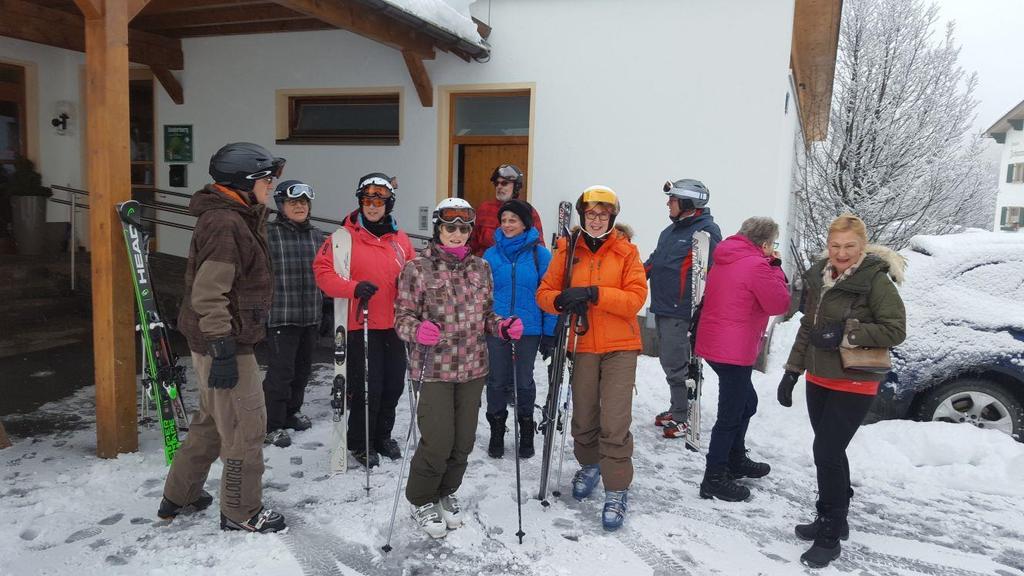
[(606, 232)]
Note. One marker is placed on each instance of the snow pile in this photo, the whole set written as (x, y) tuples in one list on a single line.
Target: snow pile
[(963, 294), (452, 16), (930, 499)]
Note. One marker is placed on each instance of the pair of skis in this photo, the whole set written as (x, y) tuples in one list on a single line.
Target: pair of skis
[(341, 245), (555, 417), (162, 378), (699, 251)]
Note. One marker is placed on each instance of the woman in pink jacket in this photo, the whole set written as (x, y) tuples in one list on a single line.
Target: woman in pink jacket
[(745, 287)]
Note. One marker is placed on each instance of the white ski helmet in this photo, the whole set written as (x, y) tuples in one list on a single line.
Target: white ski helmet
[(691, 193)]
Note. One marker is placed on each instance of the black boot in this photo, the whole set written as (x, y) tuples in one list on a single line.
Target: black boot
[(826, 546), (720, 484), (740, 466), (527, 428), (810, 531), (496, 447)]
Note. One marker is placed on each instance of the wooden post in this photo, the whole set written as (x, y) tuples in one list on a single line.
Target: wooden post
[(5, 442), (106, 59)]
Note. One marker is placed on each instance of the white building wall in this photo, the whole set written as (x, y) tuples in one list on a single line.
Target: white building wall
[(52, 75), (627, 94), (1010, 194)]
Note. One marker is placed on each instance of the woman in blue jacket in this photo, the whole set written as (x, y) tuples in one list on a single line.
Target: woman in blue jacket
[(518, 261)]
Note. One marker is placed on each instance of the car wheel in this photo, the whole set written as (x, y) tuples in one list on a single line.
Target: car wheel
[(983, 403)]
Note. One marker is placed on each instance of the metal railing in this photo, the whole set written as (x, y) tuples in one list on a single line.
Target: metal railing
[(158, 206)]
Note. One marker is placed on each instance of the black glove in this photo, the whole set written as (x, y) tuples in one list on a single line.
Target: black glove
[(224, 370), (365, 290), (547, 346), (570, 297), (775, 261), (786, 385)]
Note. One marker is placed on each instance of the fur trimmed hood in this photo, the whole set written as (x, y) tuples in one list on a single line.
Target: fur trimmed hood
[(896, 262)]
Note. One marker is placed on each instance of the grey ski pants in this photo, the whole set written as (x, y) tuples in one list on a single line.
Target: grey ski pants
[(674, 354)]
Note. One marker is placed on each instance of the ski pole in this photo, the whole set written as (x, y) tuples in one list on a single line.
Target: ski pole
[(405, 454), (366, 387), (515, 439)]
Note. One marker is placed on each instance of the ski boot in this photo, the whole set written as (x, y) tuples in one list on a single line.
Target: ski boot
[(168, 510), (614, 509), (430, 520), (673, 429), (266, 520), (661, 419), (585, 480), (451, 511)]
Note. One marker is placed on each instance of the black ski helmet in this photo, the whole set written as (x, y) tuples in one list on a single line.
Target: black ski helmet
[(293, 189), (240, 164), (692, 194), (379, 179), (509, 172)]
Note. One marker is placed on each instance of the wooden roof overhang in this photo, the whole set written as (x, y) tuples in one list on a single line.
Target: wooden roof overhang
[(157, 27), (1013, 119), (813, 61), (113, 33)]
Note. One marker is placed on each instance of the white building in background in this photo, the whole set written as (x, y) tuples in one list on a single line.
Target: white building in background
[(626, 94), (1009, 131)]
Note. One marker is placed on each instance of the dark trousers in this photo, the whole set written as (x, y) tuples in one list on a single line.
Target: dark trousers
[(499, 379), (737, 403), (387, 380), (447, 416), (835, 417), (289, 366)]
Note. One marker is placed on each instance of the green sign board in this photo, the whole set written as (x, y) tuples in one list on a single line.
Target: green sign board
[(177, 142)]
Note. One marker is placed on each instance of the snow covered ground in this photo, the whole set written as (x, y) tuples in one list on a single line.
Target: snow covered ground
[(931, 498)]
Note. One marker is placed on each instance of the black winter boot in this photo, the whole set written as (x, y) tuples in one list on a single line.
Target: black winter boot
[(826, 546), (527, 428), (740, 466), (496, 447), (720, 484), (810, 531)]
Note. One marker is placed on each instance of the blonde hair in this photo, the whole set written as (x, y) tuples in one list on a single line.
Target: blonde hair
[(849, 223)]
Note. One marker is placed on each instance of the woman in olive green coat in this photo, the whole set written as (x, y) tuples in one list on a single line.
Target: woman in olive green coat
[(851, 301)]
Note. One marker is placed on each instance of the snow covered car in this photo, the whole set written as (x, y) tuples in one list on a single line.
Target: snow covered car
[(963, 359)]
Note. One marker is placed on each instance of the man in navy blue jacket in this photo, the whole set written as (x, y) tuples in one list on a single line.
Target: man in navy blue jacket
[(669, 270)]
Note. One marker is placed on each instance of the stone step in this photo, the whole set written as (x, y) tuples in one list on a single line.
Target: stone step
[(24, 312), (45, 336)]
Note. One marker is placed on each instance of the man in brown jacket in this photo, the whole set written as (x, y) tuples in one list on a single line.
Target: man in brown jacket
[(228, 289)]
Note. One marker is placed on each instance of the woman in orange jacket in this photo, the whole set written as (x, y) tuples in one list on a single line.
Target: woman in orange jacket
[(609, 286)]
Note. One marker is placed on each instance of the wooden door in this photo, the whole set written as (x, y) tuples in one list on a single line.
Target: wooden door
[(480, 160)]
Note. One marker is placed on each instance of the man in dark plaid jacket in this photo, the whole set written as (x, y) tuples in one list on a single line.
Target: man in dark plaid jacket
[(294, 320)]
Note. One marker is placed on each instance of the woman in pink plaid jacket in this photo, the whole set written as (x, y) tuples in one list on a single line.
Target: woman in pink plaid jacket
[(444, 306)]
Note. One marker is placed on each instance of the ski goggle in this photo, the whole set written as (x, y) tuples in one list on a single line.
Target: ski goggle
[(453, 228), (373, 200), (299, 190), (453, 215), (682, 191), (507, 172), (376, 181), (274, 171)]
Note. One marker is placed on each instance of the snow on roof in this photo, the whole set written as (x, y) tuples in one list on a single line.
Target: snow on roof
[(444, 15), (963, 294)]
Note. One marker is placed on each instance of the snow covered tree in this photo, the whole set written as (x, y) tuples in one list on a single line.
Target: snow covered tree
[(899, 152)]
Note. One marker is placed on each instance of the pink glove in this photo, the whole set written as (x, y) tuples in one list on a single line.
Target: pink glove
[(510, 328), (428, 334)]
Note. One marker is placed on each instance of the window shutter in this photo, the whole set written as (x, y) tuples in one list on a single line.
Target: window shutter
[(1020, 216), (1009, 173), (1002, 217)]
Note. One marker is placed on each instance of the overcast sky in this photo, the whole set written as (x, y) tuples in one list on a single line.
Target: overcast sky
[(991, 36)]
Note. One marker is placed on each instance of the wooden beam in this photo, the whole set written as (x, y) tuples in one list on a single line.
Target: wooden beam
[(420, 78), (253, 28), (90, 8), (366, 22), (106, 97), (134, 7), (5, 442), (168, 6), (28, 21), (170, 84), (211, 16)]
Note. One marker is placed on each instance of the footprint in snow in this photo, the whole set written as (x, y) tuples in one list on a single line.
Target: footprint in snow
[(29, 534), (83, 534), (111, 520)]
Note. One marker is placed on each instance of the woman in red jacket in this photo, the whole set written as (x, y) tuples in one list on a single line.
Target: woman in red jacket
[(379, 251), (607, 285), (745, 287)]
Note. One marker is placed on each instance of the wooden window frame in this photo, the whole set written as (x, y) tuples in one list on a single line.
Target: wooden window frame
[(293, 102), (22, 102)]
